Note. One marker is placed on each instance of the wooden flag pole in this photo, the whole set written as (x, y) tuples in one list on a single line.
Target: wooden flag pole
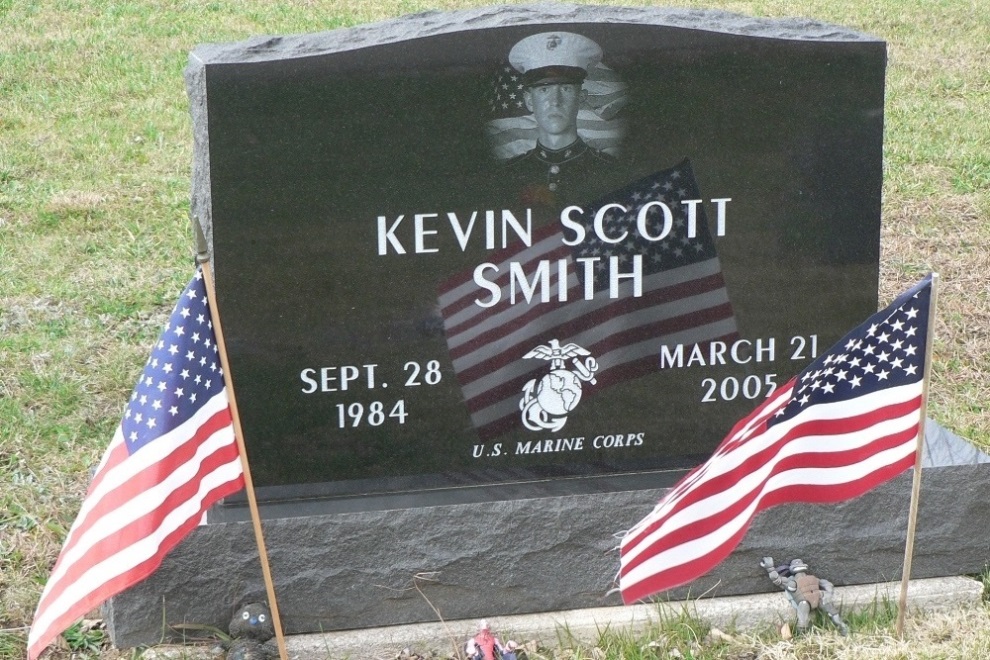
[(916, 483), (248, 482)]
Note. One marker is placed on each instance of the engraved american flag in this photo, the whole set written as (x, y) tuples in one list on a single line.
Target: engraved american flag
[(683, 299)]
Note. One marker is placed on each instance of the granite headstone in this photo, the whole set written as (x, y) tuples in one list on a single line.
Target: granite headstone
[(432, 279), (491, 279)]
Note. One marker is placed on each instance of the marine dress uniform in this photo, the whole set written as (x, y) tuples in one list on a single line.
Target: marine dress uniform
[(575, 173)]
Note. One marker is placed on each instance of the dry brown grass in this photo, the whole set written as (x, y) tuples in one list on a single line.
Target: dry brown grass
[(958, 633), (947, 232)]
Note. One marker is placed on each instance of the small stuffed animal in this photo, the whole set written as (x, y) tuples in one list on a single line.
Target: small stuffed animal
[(249, 629)]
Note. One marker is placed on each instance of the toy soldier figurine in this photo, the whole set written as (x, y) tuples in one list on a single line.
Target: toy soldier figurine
[(806, 592)]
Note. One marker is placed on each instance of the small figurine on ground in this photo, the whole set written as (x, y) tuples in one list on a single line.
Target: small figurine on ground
[(511, 651), (249, 629), (806, 592), (484, 645), (471, 650)]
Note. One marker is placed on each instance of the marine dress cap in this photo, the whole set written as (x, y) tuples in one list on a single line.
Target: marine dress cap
[(554, 57)]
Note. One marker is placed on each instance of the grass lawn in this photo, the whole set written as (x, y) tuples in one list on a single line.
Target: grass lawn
[(95, 153)]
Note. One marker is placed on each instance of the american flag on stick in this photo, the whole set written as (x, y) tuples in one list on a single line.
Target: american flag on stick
[(684, 300), (844, 425), (172, 457)]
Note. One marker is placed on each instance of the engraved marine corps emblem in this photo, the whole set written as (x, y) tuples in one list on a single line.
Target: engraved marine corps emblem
[(546, 403)]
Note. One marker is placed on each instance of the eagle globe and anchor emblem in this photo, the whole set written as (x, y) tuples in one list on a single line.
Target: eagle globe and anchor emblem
[(547, 402)]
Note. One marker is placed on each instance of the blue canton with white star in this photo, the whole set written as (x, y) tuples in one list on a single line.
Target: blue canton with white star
[(182, 373), (676, 249), (886, 351), (504, 97)]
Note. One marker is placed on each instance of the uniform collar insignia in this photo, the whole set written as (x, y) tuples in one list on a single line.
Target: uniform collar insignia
[(557, 156)]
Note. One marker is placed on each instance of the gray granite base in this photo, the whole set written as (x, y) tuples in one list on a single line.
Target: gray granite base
[(733, 613), (388, 567)]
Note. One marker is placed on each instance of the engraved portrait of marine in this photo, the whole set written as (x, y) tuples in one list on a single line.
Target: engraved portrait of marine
[(557, 123)]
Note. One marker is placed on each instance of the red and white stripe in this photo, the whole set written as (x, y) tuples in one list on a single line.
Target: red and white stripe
[(137, 509), (827, 453), (688, 304)]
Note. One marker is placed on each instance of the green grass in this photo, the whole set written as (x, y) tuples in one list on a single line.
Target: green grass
[(95, 152), (681, 635), (872, 635), (84, 640), (13, 644)]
